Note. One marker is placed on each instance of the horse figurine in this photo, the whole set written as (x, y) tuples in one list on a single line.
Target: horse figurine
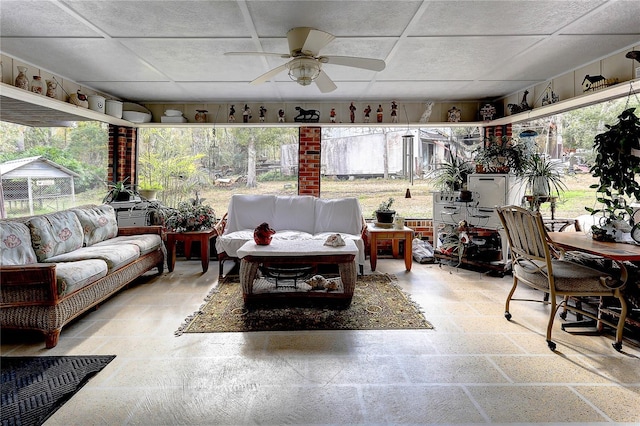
[(307, 116)]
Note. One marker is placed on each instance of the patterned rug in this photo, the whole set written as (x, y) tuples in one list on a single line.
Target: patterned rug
[(33, 388), (378, 303)]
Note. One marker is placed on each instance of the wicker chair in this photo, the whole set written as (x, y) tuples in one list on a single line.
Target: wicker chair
[(539, 264)]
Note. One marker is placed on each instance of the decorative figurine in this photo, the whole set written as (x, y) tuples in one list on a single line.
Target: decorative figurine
[(332, 115), (487, 112), (281, 116), (379, 114), (52, 85), (367, 111), (201, 115), (246, 114), (262, 234), (232, 114), (262, 111), (352, 114), (394, 112), (453, 115), (428, 106), (307, 116), (524, 105), (550, 96)]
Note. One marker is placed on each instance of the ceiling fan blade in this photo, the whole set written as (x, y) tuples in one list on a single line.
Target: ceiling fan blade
[(315, 41), (325, 84), (269, 74), (352, 61), (280, 55)]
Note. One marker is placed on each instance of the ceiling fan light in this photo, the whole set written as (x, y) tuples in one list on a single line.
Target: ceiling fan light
[(304, 70)]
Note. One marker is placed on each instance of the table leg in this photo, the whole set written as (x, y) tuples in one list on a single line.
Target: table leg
[(171, 252), (187, 247), (204, 252), (408, 252), (373, 253), (395, 247)]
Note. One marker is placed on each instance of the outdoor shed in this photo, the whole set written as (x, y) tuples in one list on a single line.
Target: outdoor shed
[(35, 182)]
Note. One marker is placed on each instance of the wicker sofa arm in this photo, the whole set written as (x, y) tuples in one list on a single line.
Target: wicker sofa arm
[(28, 285)]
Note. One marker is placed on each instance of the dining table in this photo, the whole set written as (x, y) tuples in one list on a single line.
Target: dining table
[(618, 252)]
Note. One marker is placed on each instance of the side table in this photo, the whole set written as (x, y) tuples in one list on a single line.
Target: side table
[(395, 235), (187, 238)]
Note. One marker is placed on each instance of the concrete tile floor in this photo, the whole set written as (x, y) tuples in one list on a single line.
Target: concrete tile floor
[(473, 368)]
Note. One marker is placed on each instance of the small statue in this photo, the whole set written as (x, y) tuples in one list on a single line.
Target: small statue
[(352, 114), (379, 114), (246, 114), (428, 107), (262, 234), (487, 112), (281, 116), (367, 111), (263, 110), (232, 114), (454, 115), (394, 112), (332, 115)]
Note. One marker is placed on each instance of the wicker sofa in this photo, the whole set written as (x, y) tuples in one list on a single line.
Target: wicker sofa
[(56, 266), (297, 217)]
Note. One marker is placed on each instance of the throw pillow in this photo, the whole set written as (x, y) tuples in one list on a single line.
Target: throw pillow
[(98, 223), (55, 233), (15, 241)]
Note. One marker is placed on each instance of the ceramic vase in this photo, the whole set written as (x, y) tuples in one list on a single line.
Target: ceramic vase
[(36, 85), (262, 234), (22, 81)]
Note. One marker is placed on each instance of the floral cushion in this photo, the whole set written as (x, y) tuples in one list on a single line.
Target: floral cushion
[(15, 244), (146, 242), (98, 223), (73, 276), (55, 234), (116, 256)]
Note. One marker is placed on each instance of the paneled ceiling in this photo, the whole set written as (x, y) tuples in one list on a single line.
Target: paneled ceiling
[(173, 51)]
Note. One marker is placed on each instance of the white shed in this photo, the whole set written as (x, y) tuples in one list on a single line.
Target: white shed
[(34, 180)]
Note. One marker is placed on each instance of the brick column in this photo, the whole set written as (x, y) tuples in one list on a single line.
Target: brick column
[(122, 154), (309, 161)]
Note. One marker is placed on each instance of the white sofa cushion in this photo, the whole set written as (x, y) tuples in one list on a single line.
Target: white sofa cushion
[(249, 211), (338, 215), (297, 212)]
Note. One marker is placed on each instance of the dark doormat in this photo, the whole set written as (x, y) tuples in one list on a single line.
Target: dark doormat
[(33, 388)]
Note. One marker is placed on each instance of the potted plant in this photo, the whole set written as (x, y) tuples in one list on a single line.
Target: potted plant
[(384, 213), (118, 191), (192, 215), (451, 175), (616, 165), (543, 177), (502, 155), (149, 190)]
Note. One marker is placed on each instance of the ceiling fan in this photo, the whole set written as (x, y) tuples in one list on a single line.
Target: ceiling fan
[(305, 66)]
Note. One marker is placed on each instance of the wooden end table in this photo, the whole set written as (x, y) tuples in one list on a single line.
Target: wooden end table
[(395, 235), (187, 238)]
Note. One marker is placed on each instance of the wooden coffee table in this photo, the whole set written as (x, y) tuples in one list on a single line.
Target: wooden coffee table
[(189, 237), (395, 235), (298, 252)]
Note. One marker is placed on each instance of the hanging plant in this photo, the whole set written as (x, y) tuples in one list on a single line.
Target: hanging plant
[(616, 165)]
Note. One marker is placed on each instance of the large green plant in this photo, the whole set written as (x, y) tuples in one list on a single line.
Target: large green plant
[(617, 165), (503, 154), (452, 174), (543, 177)]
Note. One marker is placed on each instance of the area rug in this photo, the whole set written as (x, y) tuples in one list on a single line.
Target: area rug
[(33, 388), (378, 304)]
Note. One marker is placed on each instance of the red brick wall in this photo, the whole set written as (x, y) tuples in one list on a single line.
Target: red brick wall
[(122, 154), (309, 161)]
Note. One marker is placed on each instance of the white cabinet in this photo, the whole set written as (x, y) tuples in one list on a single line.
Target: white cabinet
[(495, 190)]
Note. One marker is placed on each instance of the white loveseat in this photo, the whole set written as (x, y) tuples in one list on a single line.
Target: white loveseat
[(293, 218)]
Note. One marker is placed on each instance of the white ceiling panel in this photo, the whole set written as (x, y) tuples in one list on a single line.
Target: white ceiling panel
[(174, 50)]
